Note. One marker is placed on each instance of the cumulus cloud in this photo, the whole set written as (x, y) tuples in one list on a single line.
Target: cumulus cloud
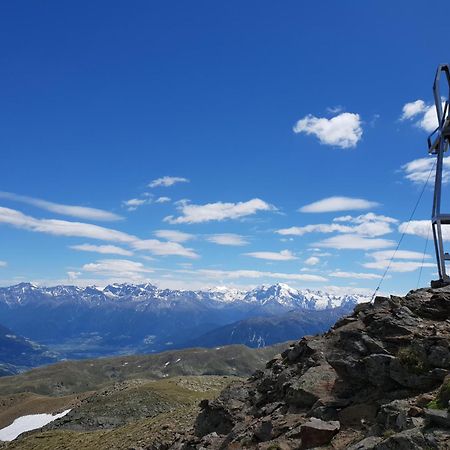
[(333, 204), (174, 235), (81, 212), (86, 230), (104, 249), (167, 181), (355, 275), (354, 242), (418, 170), (227, 239), (424, 115), (343, 130), (284, 255), (217, 211), (312, 261)]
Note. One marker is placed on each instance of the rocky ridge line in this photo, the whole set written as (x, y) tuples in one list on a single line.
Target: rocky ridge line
[(379, 379)]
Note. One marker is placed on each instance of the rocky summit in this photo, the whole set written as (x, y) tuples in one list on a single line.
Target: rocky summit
[(379, 379)]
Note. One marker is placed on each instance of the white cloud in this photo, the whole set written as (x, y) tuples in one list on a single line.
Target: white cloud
[(412, 109), (86, 230), (174, 235), (354, 242), (104, 249), (312, 261), (123, 267), (422, 228), (418, 170), (284, 255), (397, 266), (134, 203), (72, 275), (163, 248), (424, 114), (399, 254), (61, 227), (315, 228), (343, 130), (81, 212), (355, 275), (217, 211), (227, 239), (162, 200), (382, 258), (3, 264), (364, 218), (235, 274), (167, 181), (332, 204), (369, 225)]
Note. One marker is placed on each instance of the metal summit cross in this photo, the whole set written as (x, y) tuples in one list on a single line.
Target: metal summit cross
[(438, 143)]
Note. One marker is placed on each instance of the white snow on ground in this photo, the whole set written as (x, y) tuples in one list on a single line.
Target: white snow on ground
[(28, 423)]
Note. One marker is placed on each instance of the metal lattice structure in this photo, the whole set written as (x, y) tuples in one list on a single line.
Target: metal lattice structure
[(438, 143)]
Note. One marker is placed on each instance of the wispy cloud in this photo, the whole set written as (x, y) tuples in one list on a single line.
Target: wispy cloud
[(333, 204), (167, 181), (403, 260), (227, 239), (424, 115), (162, 200), (81, 212), (113, 267), (355, 275), (104, 249), (217, 211), (134, 203), (85, 230), (422, 228), (398, 266), (354, 242), (174, 235), (164, 248), (418, 170), (343, 130), (255, 274), (284, 255), (3, 264), (369, 225)]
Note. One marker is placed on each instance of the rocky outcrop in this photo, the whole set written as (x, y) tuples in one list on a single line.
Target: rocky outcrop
[(379, 379)]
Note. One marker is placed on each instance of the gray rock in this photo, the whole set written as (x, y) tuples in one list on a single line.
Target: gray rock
[(317, 432), (439, 417)]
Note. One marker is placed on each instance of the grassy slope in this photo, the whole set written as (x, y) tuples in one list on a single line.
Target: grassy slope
[(180, 396), (71, 377)]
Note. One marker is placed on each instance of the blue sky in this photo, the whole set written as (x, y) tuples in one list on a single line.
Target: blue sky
[(185, 142)]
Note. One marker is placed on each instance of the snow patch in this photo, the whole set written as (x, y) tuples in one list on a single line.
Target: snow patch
[(28, 423)]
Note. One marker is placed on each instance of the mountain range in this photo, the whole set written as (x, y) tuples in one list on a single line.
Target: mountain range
[(79, 322)]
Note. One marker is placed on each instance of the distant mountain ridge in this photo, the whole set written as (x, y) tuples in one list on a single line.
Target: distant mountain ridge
[(80, 322), (279, 293)]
